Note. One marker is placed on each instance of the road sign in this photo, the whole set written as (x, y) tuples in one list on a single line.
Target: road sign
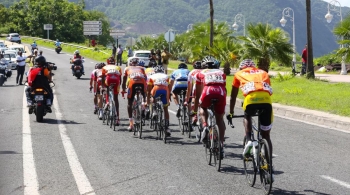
[(92, 29), (92, 22), (92, 25), (48, 27), (169, 36), (131, 41), (115, 32), (92, 33)]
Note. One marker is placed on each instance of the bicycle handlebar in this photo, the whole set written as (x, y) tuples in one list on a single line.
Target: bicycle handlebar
[(229, 119)]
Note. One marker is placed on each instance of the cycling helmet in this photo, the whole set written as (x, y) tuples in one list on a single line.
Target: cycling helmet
[(246, 63), (197, 65), (40, 60), (76, 52), (96, 65), (159, 69), (141, 63), (134, 62), (152, 63), (101, 65), (209, 62), (182, 65)]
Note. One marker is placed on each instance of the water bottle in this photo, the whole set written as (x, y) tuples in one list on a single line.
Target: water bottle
[(255, 149)]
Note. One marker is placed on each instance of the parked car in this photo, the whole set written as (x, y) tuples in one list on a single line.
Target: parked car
[(2, 44), (3, 49), (14, 37), (11, 59), (141, 55), (17, 48)]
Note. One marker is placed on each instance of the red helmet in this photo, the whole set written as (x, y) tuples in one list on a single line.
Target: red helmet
[(134, 62)]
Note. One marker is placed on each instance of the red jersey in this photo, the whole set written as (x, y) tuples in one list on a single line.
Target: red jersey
[(211, 77)]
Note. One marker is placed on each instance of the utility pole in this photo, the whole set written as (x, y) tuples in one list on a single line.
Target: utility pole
[(310, 57), (211, 23)]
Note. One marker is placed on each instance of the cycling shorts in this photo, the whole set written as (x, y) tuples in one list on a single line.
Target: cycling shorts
[(165, 95), (177, 90), (266, 117), (113, 79), (214, 92), (132, 90)]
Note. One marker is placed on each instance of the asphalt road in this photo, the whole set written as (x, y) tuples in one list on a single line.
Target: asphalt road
[(72, 152)]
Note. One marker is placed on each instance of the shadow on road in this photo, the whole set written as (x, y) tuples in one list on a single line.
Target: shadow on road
[(66, 122), (84, 79), (281, 191), (9, 152)]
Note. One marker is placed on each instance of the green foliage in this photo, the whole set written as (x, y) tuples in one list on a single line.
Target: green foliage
[(342, 30)]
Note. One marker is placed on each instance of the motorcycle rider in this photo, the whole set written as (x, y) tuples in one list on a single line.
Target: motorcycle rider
[(58, 43), (77, 56), (34, 46), (39, 76)]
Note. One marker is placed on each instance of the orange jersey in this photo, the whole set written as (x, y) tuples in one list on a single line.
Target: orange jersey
[(135, 74), (252, 80)]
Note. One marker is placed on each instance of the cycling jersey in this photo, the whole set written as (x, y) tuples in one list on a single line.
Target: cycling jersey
[(180, 77), (214, 82), (135, 75), (93, 77), (149, 72), (255, 85), (112, 75), (160, 82), (192, 79)]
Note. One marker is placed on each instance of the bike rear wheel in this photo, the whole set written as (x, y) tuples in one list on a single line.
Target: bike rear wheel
[(250, 169), (217, 147), (265, 166)]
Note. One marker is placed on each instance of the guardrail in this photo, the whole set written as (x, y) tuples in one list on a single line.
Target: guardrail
[(63, 43)]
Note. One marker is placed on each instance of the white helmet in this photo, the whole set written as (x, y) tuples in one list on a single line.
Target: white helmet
[(76, 52)]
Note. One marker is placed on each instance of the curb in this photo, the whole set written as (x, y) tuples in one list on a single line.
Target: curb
[(314, 117)]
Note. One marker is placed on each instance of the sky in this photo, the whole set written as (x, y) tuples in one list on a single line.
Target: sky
[(342, 2)]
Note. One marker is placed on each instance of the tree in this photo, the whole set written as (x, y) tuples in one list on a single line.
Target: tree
[(310, 56), (342, 30), (264, 44)]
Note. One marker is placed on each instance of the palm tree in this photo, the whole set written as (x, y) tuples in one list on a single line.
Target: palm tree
[(342, 30), (264, 44)]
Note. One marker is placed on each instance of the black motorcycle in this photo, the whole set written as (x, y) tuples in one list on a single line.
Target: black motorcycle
[(78, 68), (40, 97), (58, 49), (4, 72)]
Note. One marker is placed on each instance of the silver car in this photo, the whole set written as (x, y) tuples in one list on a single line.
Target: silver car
[(141, 55), (11, 60)]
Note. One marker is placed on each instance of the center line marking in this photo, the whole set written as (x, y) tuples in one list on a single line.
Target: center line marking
[(80, 177), (30, 178), (344, 184)]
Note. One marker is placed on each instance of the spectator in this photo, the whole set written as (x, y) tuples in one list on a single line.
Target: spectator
[(304, 60), (159, 57), (165, 59), (152, 56), (114, 51), (21, 66), (119, 55), (93, 42), (129, 52), (40, 53)]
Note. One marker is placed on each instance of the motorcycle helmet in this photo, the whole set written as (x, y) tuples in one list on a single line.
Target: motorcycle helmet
[(246, 63), (197, 65), (76, 52), (134, 62), (159, 69), (141, 63), (182, 65), (57, 40), (40, 60)]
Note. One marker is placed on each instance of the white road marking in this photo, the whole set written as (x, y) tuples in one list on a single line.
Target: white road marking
[(344, 184), (30, 178), (80, 177), (173, 112)]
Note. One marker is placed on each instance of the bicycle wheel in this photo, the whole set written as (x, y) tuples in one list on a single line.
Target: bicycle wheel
[(217, 147), (113, 115), (208, 150), (181, 119), (184, 118), (189, 125), (139, 119), (265, 166), (199, 131), (249, 166), (134, 114)]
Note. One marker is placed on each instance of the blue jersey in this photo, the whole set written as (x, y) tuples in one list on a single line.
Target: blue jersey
[(180, 77), (58, 44)]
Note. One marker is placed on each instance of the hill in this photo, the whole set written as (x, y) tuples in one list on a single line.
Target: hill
[(155, 17)]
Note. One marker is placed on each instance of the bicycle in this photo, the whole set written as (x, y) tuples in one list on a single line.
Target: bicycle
[(183, 119), (157, 122), (213, 143), (193, 126), (112, 116), (136, 112), (258, 160)]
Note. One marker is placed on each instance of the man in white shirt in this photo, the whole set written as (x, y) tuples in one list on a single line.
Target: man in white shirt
[(119, 55), (21, 66)]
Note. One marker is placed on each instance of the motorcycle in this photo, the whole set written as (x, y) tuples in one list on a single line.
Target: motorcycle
[(40, 97), (58, 49), (4, 72), (77, 67)]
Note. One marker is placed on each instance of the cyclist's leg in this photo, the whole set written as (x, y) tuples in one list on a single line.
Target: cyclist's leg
[(266, 120), (219, 114), (130, 97)]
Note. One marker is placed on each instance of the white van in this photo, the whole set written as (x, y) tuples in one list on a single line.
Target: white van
[(17, 48)]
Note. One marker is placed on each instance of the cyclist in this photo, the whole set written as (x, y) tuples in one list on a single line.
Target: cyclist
[(112, 75), (92, 84), (191, 90), (99, 86), (211, 83), (178, 80), (149, 72), (77, 56), (111, 60), (159, 85), (134, 76), (256, 87)]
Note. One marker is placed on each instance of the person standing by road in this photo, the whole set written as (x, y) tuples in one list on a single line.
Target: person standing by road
[(114, 51), (119, 54), (129, 52), (304, 60), (21, 66), (165, 59), (159, 57)]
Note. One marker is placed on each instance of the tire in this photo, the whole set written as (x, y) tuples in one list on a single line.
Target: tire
[(217, 145), (2, 80), (199, 131), (249, 165), (39, 112), (265, 166), (208, 152)]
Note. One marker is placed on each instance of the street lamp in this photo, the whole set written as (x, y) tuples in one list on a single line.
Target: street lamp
[(329, 17), (189, 27), (238, 19), (286, 14)]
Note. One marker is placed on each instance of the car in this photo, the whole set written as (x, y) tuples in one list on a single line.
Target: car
[(2, 44), (14, 37), (11, 59), (3, 49), (17, 48), (141, 55)]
